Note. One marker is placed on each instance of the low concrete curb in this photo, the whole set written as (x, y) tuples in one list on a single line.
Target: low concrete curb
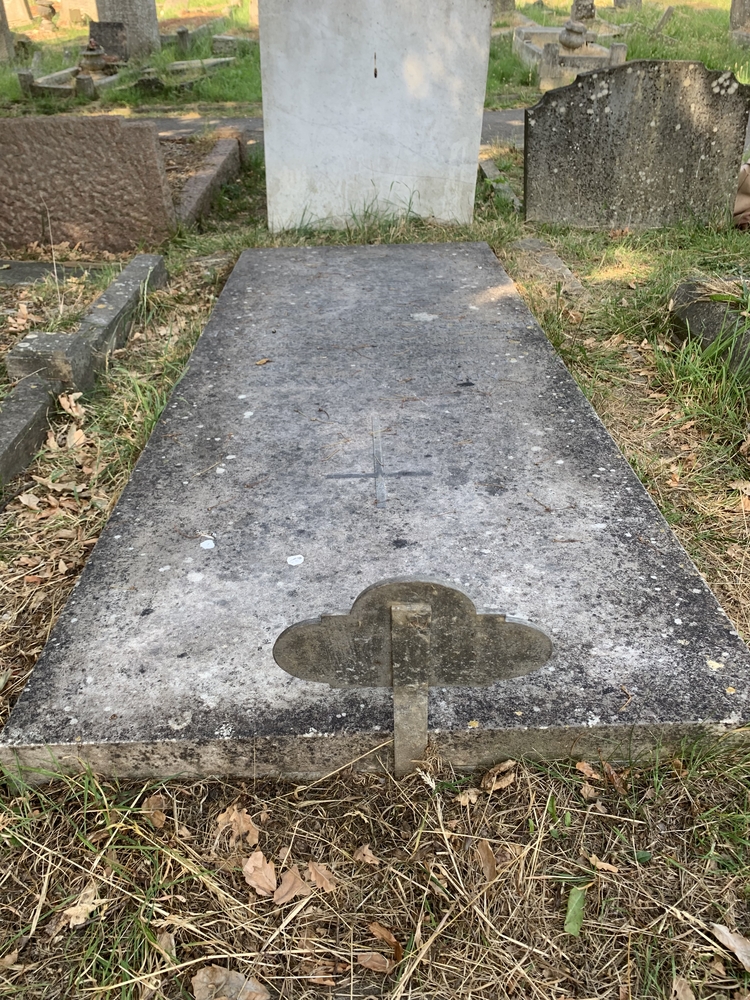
[(46, 363), (221, 165)]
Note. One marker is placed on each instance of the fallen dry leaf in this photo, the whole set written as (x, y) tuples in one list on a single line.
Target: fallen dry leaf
[(365, 854), (291, 886), (153, 810), (320, 876), (69, 402), (615, 779), (602, 866), (376, 962), (736, 943), (487, 860), (260, 874), (588, 771), (215, 983), (87, 902), (263, 361), (29, 500), (240, 824), (499, 776), (9, 960), (742, 485), (75, 438), (166, 942), (323, 970), (589, 792), (681, 989), (388, 936), (468, 796)]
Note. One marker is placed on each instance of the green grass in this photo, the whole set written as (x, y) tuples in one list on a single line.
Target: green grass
[(509, 82)]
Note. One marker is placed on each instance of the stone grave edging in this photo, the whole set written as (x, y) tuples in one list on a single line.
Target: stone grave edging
[(47, 363), (221, 165)]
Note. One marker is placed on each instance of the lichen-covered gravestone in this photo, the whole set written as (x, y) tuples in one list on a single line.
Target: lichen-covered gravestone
[(643, 145), (138, 16), (372, 108)]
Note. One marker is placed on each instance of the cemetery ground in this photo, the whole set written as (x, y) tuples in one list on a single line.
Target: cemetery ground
[(569, 879), (548, 880)]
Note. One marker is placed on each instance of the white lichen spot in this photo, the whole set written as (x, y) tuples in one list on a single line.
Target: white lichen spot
[(181, 722), (195, 577), (715, 665), (295, 560), (423, 317), (164, 569), (208, 543)]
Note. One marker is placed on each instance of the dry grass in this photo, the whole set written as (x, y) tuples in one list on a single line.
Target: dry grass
[(475, 894)]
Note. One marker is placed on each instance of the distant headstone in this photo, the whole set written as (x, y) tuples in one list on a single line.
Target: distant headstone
[(739, 15), (138, 16), (6, 39), (76, 12), (643, 144), (500, 7), (583, 10), (372, 109), (18, 12), (112, 36), (96, 181)]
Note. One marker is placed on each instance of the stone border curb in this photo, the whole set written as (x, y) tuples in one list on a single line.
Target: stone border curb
[(46, 363), (221, 165)]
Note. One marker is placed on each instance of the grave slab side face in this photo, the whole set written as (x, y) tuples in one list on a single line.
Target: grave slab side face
[(646, 144), (372, 108), (411, 453), (112, 194)]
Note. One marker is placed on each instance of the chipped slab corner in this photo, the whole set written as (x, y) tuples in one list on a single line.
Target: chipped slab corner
[(300, 539)]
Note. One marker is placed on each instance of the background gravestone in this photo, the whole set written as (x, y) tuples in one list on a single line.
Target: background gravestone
[(17, 12), (6, 39), (739, 15), (500, 7), (107, 187), (112, 36), (372, 108), (643, 144), (138, 16)]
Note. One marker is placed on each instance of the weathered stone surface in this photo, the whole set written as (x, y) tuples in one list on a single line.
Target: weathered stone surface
[(372, 108), (6, 39), (500, 7), (221, 165), (112, 193), (583, 10), (23, 424), (112, 36), (60, 356), (139, 17), (17, 12), (644, 144), (694, 313), (26, 272), (411, 422), (739, 15)]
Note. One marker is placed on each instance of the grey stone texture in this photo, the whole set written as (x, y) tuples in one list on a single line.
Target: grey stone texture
[(23, 424), (17, 12), (109, 189), (641, 145), (27, 272), (112, 36), (739, 15), (500, 7), (411, 422), (221, 165), (6, 39), (695, 313), (139, 17)]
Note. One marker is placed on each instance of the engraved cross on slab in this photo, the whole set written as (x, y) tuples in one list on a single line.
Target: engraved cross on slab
[(408, 635), (378, 474)]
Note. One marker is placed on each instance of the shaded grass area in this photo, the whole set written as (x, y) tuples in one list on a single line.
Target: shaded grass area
[(128, 890)]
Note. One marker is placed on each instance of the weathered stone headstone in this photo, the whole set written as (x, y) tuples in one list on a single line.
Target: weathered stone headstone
[(138, 16), (112, 193), (73, 12), (18, 12), (583, 10), (643, 144), (407, 520), (6, 39), (739, 15), (112, 36), (372, 108), (500, 7)]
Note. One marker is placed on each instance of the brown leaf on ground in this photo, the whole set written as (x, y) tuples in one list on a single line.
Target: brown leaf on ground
[(77, 914), (738, 944), (614, 778), (165, 942), (215, 983), (384, 934), (153, 810), (742, 485), (588, 771), (376, 962), (468, 796), (9, 960), (69, 402), (602, 866), (681, 989), (263, 361), (499, 776), (323, 970), (29, 500), (75, 438), (589, 792), (320, 876), (487, 860), (240, 824), (365, 854), (260, 874), (291, 886)]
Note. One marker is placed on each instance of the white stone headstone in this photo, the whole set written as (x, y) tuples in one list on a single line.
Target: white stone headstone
[(372, 107)]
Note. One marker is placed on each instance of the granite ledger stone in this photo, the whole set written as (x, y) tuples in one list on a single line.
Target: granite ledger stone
[(107, 187), (646, 144), (409, 509)]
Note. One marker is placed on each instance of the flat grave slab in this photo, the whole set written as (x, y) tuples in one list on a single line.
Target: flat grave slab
[(27, 272), (382, 436)]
